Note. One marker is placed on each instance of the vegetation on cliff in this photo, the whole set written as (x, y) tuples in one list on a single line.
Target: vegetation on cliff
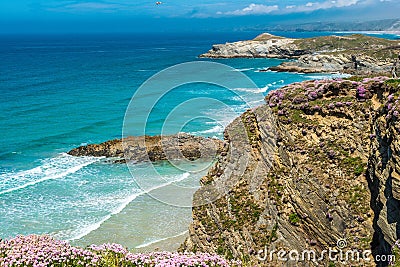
[(42, 251), (334, 174)]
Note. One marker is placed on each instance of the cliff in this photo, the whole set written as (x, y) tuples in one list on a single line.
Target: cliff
[(334, 174), (355, 54)]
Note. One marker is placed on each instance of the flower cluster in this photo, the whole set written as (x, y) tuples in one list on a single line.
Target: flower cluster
[(379, 79), (276, 97), (361, 92), (42, 251), (309, 95), (392, 107), (160, 259), (109, 247)]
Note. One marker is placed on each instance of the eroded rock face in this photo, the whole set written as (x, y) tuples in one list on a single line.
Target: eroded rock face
[(265, 45), (154, 148), (355, 54), (333, 175)]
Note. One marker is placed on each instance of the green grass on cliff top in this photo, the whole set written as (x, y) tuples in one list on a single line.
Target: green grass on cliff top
[(356, 44)]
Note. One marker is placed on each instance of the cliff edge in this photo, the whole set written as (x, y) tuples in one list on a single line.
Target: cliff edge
[(334, 176)]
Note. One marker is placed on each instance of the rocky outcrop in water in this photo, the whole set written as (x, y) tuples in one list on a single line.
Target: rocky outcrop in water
[(355, 54), (265, 45), (333, 175), (153, 148)]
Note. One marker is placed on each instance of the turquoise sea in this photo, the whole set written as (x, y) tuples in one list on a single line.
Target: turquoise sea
[(62, 91)]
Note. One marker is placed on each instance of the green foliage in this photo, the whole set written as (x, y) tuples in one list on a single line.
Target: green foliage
[(112, 259), (245, 211), (368, 44), (298, 116), (356, 196), (355, 165), (246, 259), (220, 250), (359, 170), (273, 235), (276, 190), (396, 255), (294, 218), (393, 82), (355, 78)]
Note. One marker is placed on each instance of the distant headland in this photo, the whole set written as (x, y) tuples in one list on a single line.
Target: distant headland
[(354, 54)]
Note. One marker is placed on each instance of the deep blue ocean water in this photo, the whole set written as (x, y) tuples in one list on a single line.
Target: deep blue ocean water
[(62, 91)]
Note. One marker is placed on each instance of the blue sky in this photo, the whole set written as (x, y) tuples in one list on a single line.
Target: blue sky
[(145, 15)]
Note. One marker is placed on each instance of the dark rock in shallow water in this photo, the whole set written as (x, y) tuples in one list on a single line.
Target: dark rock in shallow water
[(153, 148)]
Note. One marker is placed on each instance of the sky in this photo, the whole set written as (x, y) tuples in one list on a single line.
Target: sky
[(181, 15)]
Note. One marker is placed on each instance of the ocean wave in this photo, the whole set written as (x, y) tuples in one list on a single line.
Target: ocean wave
[(219, 129), (85, 230), (280, 81), (50, 169), (328, 76), (154, 241), (244, 69), (253, 90)]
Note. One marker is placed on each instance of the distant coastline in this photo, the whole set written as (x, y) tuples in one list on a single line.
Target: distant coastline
[(394, 32)]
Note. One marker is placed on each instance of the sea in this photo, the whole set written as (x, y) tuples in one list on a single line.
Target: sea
[(59, 92)]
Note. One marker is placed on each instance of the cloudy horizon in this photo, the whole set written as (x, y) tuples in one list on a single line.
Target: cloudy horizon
[(175, 15)]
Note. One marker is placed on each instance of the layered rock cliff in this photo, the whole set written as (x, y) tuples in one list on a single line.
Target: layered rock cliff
[(355, 54), (332, 175), (153, 148)]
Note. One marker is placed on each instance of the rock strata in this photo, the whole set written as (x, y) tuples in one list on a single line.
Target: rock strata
[(333, 175), (153, 148)]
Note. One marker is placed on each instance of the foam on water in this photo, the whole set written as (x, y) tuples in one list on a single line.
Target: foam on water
[(218, 129), (83, 231), (50, 169), (160, 239), (254, 90), (245, 69), (329, 76)]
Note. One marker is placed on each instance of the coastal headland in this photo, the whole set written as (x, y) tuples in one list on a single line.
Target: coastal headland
[(334, 177), (354, 54)]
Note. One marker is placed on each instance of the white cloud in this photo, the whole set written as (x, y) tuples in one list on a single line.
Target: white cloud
[(87, 6), (259, 9), (252, 9), (311, 6), (92, 5)]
